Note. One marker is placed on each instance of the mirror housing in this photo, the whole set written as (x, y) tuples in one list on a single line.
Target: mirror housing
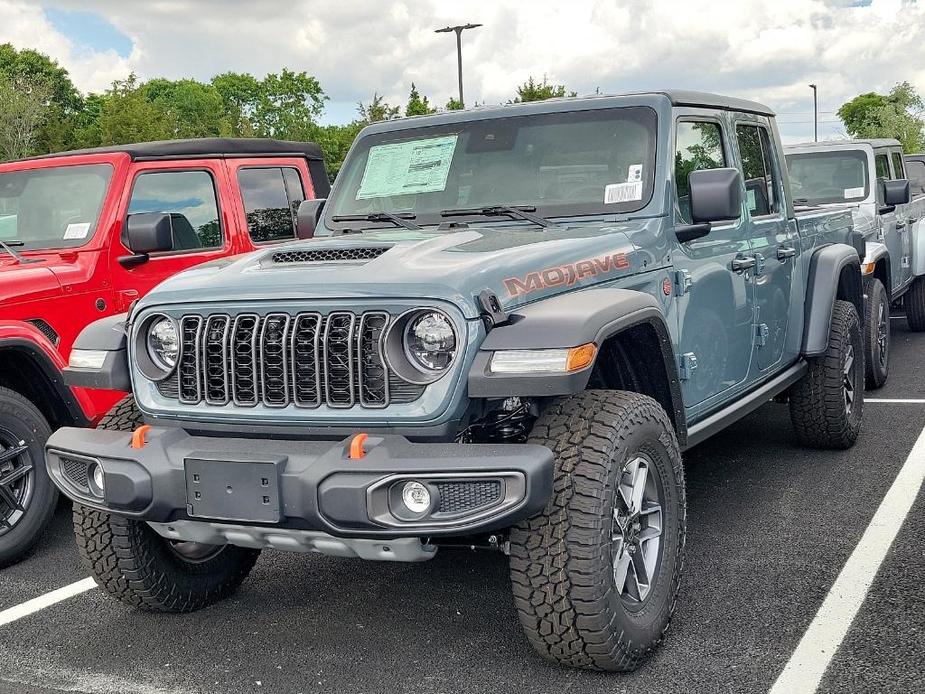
[(148, 232), (307, 217), (896, 192), (716, 195)]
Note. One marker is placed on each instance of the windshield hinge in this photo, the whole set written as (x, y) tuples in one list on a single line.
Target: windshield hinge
[(492, 312), (682, 282), (687, 365)]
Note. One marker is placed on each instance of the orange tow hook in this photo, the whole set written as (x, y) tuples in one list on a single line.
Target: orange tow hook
[(138, 436), (356, 446)]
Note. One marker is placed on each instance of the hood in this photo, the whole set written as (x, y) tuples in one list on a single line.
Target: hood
[(518, 263), (29, 282)]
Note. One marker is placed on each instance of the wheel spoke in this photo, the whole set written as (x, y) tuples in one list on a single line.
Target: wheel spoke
[(640, 575), (12, 453), (621, 567), (15, 475), (7, 497)]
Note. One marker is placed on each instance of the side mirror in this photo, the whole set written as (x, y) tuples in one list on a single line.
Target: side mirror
[(715, 196), (307, 217), (896, 192), (145, 233)]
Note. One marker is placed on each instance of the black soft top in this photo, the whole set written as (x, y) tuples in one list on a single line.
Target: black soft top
[(205, 148)]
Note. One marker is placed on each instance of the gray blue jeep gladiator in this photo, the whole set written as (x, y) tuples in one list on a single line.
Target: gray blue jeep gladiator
[(501, 330)]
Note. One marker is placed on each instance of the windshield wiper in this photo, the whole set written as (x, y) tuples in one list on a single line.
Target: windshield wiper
[(18, 258), (512, 211), (396, 219)]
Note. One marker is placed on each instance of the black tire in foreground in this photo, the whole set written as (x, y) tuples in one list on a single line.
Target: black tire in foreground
[(133, 563), (914, 304), (27, 495), (596, 575), (826, 405), (876, 333)]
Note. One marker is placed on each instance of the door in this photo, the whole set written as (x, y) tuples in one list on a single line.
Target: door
[(270, 192), (191, 195), (893, 233), (905, 221), (715, 302), (773, 239)]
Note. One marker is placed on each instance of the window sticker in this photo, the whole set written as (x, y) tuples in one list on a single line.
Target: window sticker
[(854, 192), (634, 175), (403, 168), (76, 231), (622, 192)]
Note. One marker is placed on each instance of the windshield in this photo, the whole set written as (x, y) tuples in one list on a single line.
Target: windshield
[(823, 177), (561, 164), (52, 208)]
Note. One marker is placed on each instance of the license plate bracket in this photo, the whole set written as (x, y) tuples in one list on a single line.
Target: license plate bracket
[(235, 491)]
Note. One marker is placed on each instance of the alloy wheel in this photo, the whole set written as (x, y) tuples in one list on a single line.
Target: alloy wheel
[(848, 379), (882, 336), (17, 480), (636, 536)]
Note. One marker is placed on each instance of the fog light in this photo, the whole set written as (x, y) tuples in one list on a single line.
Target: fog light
[(98, 480), (416, 497)]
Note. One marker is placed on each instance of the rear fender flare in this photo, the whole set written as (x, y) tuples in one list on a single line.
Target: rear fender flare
[(833, 269)]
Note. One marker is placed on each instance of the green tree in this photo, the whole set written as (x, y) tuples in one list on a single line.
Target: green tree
[(531, 90), (239, 93), (335, 141), (287, 105), (126, 115), (417, 105), (194, 109), (454, 105), (23, 110), (897, 115), (376, 110)]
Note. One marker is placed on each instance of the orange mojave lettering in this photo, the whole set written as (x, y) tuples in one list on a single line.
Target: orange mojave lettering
[(565, 275)]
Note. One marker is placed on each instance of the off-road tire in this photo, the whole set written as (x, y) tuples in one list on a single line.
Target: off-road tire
[(561, 560), (25, 422), (134, 564), (817, 401), (914, 304), (876, 356)]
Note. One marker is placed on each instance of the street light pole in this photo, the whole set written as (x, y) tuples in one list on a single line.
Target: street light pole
[(459, 29), (815, 115)]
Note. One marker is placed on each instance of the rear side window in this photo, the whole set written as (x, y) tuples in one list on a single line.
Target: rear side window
[(271, 199), (761, 183), (189, 198), (916, 171), (700, 146), (898, 165)]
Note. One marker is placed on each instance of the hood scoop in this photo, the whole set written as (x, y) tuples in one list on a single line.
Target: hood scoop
[(329, 255)]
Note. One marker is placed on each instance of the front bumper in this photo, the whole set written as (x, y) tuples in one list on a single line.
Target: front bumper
[(302, 485)]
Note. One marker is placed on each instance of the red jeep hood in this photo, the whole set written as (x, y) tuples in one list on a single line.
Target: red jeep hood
[(30, 282)]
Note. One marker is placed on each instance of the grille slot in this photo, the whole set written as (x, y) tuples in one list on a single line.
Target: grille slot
[(280, 359), (329, 255), (188, 367), (462, 497)]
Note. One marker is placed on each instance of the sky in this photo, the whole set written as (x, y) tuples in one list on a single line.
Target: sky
[(767, 51)]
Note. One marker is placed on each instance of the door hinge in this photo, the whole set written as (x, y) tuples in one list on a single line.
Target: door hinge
[(759, 264), (687, 365), (682, 282), (761, 334)]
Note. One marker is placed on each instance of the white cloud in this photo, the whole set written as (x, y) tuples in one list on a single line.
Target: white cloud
[(751, 48)]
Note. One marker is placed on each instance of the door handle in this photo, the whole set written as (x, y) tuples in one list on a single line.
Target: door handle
[(784, 252), (900, 226), (743, 262), (913, 220)]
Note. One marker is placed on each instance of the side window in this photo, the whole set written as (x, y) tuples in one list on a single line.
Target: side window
[(916, 172), (898, 165), (761, 182), (271, 199), (700, 146), (189, 198)]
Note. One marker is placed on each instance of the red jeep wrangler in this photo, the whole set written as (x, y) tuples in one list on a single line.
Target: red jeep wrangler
[(82, 235)]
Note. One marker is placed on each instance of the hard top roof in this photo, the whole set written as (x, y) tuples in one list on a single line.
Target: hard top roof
[(875, 143), (205, 148), (677, 97)]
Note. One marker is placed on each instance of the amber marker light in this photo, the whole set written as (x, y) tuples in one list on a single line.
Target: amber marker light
[(580, 357)]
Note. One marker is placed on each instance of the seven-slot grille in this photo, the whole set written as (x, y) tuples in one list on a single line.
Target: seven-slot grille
[(280, 359)]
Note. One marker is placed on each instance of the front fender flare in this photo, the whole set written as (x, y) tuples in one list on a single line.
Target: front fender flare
[(104, 335), (569, 320), (825, 277)]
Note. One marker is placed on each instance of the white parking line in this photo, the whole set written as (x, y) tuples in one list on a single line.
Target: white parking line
[(816, 649), (11, 614), (912, 401)]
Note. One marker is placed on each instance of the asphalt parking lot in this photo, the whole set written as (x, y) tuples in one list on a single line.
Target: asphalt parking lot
[(770, 527)]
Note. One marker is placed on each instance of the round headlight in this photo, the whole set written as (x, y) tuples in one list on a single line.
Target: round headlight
[(164, 343), (430, 341)]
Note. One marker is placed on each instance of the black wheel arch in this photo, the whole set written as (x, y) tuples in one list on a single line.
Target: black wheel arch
[(28, 370), (834, 273)]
